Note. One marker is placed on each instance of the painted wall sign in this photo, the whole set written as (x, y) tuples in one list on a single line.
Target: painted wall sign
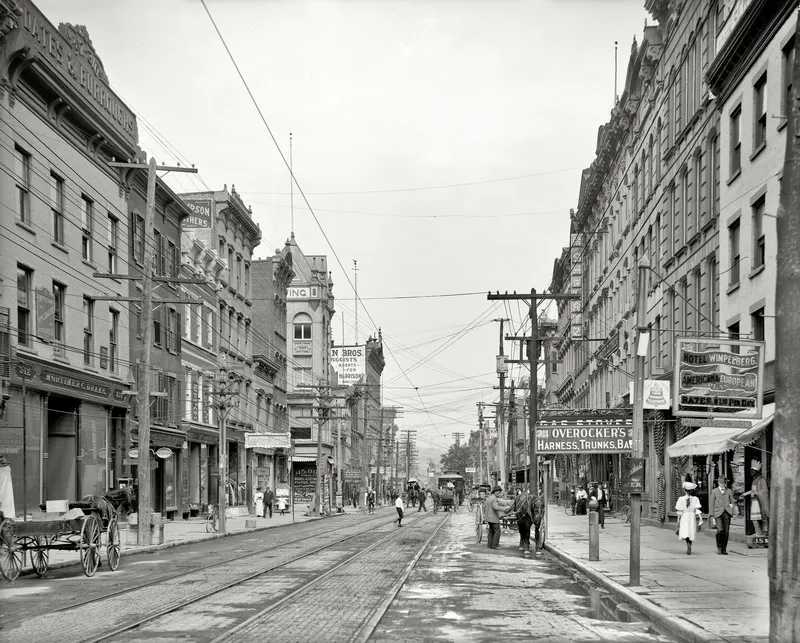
[(45, 314), (656, 394), (584, 433), (68, 51), (201, 214), (717, 379), (57, 380), (267, 440), (349, 362), (302, 348), (302, 292), (576, 285)]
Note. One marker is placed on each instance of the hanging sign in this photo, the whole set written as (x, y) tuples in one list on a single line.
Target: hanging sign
[(586, 432), (133, 454), (164, 453)]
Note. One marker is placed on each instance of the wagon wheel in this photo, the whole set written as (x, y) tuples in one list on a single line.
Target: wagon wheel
[(11, 553), (90, 545), (40, 554), (479, 523), (112, 544), (470, 506)]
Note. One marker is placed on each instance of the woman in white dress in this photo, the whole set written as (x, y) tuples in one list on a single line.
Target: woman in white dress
[(258, 501), (688, 507)]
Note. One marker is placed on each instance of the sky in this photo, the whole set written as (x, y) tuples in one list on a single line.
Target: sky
[(439, 143)]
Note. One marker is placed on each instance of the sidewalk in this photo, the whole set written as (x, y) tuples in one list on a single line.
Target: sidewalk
[(182, 532), (702, 597)]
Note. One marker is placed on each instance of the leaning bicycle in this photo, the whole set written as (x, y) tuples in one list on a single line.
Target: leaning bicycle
[(569, 507), (212, 519)]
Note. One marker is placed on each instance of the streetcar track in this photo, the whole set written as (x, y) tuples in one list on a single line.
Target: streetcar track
[(376, 614), (195, 599), (10, 624)]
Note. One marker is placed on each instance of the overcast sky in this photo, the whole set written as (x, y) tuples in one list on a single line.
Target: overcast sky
[(439, 143)]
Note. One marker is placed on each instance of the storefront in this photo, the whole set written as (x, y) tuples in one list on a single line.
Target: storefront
[(202, 470), (60, 436)]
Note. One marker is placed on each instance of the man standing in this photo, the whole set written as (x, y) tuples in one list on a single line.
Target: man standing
[(269, 499), (759, 504), (421, 498), (495, 507), (721, 510), (398, 504)]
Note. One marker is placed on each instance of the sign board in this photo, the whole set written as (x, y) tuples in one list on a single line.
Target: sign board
[(718, 379), (502, 367), (587, 432), (349, 362), (267, 440), (46, 314), (299, 293), (634, 482), (470, 469), (353, 475), (201, 214), (713, 422), (576, 285), (133, 453), (301, 347), (656, 394), (164, 453)]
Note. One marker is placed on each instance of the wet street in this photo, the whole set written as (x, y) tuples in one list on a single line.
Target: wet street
[(354, 577)]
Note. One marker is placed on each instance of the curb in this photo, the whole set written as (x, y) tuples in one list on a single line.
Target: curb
[(686, 630), (149, 549)]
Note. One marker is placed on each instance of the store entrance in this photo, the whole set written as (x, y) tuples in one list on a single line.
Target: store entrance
[(62, 448)]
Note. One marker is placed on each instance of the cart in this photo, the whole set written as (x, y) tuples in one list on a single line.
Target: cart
[(478, 496), (444, 499), (87, 527)]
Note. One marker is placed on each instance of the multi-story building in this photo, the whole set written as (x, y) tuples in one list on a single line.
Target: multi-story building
[(63, 340), (310, 308), (652, 192), (168, 475), (752, 79), (199, 346), (271, 278), (231, 231)]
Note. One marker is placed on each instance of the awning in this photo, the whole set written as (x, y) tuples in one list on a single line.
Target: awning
[(707, 440), (304, 458)]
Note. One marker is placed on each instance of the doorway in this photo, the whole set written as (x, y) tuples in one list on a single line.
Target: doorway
[(62, 449)]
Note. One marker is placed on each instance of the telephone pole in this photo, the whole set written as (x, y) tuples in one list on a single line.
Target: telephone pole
[(501, 441), (784, 511), (143, 393), (533, 363)]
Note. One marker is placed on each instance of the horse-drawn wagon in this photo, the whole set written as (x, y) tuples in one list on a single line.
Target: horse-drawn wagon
[(449, 492), (88, 526)]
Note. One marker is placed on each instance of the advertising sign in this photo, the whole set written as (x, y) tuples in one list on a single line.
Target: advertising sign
[(656, 394), (295, 293), (634, 481), (349, 362), (718, 379), (46, 314), (576, 432), (576, 285), (502, 367), (201, 214), (353, 475), (267, 440)]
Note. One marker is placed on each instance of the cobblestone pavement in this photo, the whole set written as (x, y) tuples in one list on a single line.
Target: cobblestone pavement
[(106, 615), (462, 591)]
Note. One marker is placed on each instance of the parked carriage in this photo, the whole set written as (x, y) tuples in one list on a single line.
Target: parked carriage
[(88, 526), (479, 494)]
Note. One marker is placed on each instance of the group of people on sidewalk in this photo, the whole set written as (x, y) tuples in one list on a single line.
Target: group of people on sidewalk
[(264, 501)]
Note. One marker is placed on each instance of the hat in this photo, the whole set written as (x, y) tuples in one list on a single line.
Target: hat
[(755, 465), (689, 486), (496, 489)]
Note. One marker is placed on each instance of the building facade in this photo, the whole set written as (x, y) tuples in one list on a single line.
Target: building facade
[(64, 345), (222, 222)]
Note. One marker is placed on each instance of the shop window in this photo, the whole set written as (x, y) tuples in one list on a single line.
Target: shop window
[(87, 225)]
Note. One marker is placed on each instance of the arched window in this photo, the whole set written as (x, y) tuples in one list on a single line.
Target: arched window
[(302, 326)]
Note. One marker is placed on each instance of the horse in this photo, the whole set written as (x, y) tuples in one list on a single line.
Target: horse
[(533, 510)]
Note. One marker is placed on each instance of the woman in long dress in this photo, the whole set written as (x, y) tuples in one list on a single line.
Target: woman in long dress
[(258, 501), (688, 507)]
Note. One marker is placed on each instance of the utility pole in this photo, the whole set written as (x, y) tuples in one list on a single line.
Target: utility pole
[(143, 405), (378, 476), (512, 406), (365, 446), (222, 416), (501, 442), (533, 362), (784, 511), (642, 340)]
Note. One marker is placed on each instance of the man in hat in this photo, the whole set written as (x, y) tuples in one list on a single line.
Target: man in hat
[(721, 511), (495, 507), (759, 505)]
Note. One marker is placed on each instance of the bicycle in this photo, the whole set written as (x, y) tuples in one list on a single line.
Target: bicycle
[(626, 512), (212, 519), (569, 507)]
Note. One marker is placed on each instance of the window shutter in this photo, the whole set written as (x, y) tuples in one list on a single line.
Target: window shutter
[(178, 333)]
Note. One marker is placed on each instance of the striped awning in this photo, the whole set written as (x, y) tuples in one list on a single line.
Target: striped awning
[(708, 440)]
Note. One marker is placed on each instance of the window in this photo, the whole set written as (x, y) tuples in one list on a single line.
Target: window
[(650, 177), (736, 141), (190, 395), (171, 329), (87, 215), (158, 249), (788, 70), (659, 134), (113, 338), (757, 325), (207, 401), (635, 200), (57, 207), (759, 242), (711, 275), (209, 326), (671, 218), (238, 274), (173, 413), (113, 236), (733, 245), (247, 280), (157, 327), (302, 327), (137, 223), (171, 262), (230, 266), (760, 113), (24, 305), (697, 195), (657, 355), (697, 300), (88, 331), (59, 299), (683, 221), (247, 337), (733, 333), (712, 179), (554, 365), (22, 163)]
